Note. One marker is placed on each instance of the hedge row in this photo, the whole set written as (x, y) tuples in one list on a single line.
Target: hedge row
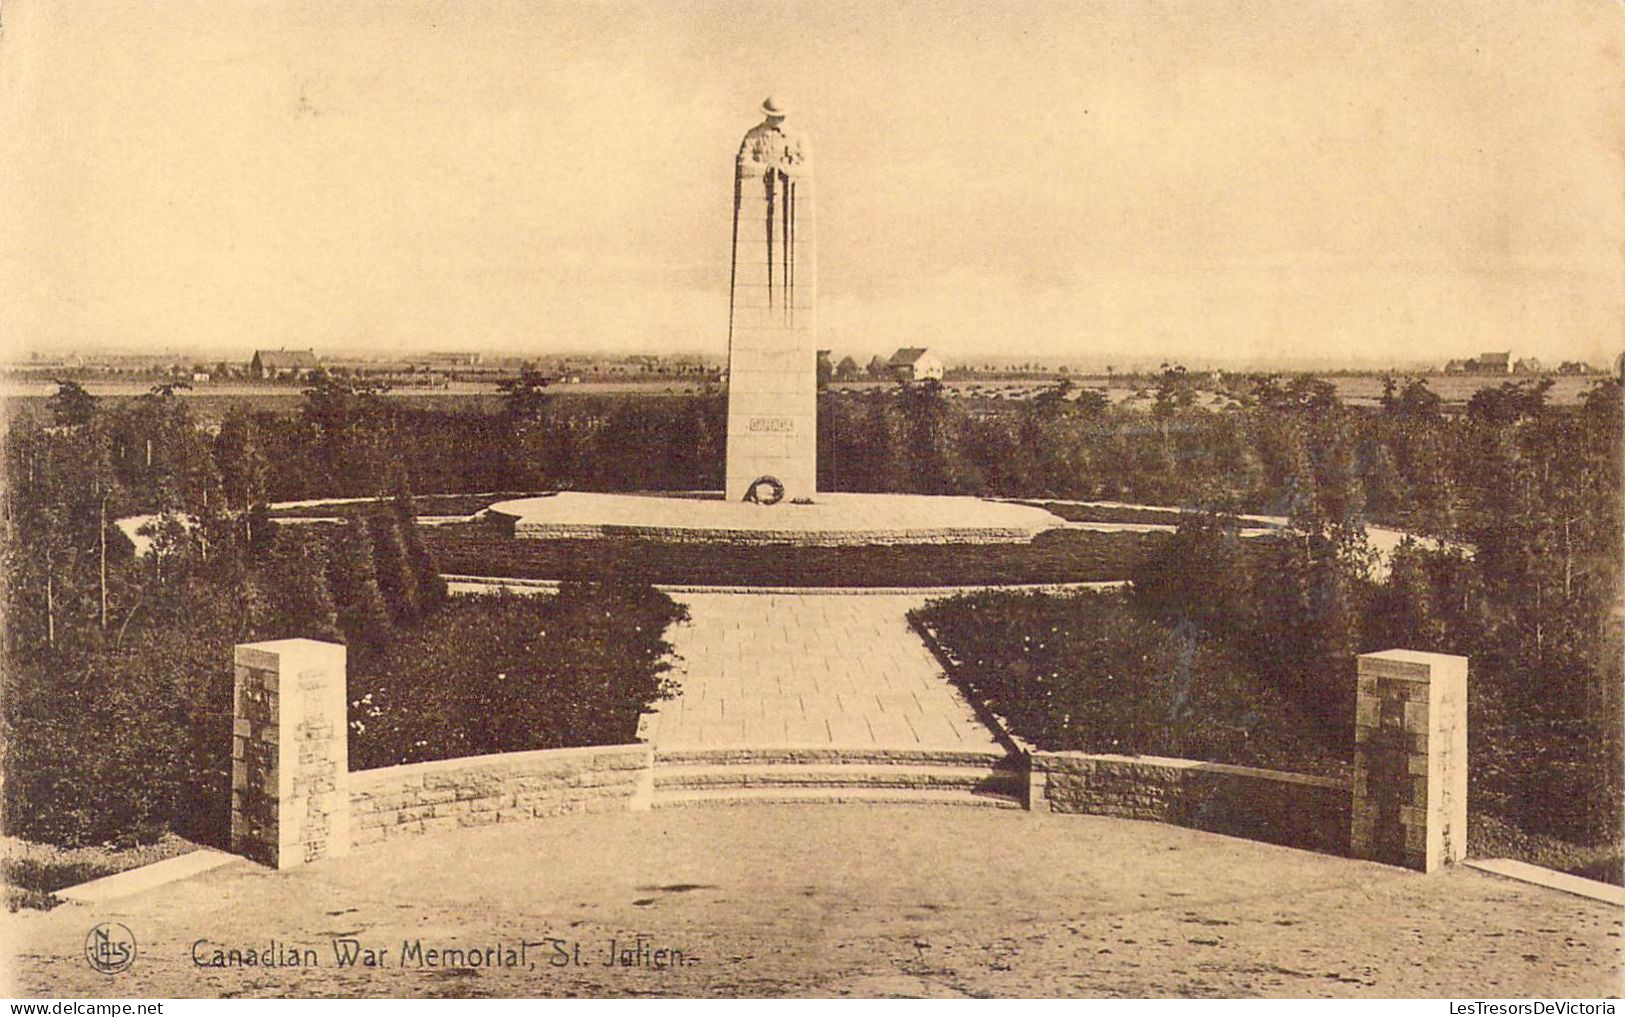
[(1054, 557)]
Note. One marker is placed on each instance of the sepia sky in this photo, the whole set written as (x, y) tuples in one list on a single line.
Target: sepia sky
[(1207, 181)]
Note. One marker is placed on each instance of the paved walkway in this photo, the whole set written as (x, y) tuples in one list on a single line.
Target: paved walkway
[(766, 671), (846, 899)]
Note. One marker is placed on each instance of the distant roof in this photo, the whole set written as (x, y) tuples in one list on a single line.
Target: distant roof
[(1494, 358), (286, 358), (906, 356)]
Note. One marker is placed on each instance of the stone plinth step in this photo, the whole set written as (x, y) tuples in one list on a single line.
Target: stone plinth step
[(834, 519), (827, 754), (835, 795), (857, 775)]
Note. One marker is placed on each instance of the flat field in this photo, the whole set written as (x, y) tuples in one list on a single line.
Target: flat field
[(1366, 389), (210, 402)]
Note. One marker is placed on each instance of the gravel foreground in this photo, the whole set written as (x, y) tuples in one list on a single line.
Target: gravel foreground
[(840, 900)]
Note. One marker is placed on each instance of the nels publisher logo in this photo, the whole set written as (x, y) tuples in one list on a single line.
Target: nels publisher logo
[(110, 948)]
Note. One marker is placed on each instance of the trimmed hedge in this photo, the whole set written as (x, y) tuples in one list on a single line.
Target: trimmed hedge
[(1111, 513), (1053, 557), (1088, 672)]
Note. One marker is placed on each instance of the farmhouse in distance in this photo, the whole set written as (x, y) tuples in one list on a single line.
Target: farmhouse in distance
[(915, 363), (282, 363)]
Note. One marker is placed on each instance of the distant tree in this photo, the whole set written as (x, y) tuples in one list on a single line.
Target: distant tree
[(1339, 490), (1174, 391), (1405, 611), (163, 455), (1415, 400), (879, 367), (297, 600), (71, 406), (1203, 574), (430, 587), (525, 396), (1509, 402), (396, 579), (1091, 402), (1053, 399), (931, 429), (168, 389), (352, 576), (1380, 481), (354, 430), (848, 370), (61, 495), (244, 469)]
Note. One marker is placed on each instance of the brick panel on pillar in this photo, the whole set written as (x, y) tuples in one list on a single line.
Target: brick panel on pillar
[(290, 752), (1410, 759), (772, 339)]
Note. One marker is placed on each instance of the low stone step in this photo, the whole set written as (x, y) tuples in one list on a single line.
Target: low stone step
[(856, 775), (833, 795), (833, 755)]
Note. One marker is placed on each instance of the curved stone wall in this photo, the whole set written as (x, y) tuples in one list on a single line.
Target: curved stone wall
[(503, 788), (1292, 809)]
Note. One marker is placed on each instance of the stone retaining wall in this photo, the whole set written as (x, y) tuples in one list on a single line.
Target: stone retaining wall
[(294, 800), (467, 584), (503, 788), (1292, 809), (761, 537)]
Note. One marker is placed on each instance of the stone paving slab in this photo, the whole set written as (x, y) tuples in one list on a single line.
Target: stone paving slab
[(132, 881), (809, 670), (1551, 879), (813, 900)]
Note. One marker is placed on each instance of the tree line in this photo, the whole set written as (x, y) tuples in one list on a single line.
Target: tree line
[(117, 668), (1533, 487)]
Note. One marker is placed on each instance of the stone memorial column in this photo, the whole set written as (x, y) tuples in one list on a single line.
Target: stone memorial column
[(1410, 759), (772, 341), (290, 799)]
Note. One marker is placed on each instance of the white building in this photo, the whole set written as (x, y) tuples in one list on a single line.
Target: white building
[(915, 363)]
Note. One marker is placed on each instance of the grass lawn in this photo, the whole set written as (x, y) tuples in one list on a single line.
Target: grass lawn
[(1054, 557), (32, 872)]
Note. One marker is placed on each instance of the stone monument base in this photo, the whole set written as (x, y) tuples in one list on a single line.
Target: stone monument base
[(834, 520)]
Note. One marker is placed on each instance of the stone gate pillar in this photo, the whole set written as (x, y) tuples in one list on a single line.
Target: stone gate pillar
[(290, 765), (1410, 759)]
